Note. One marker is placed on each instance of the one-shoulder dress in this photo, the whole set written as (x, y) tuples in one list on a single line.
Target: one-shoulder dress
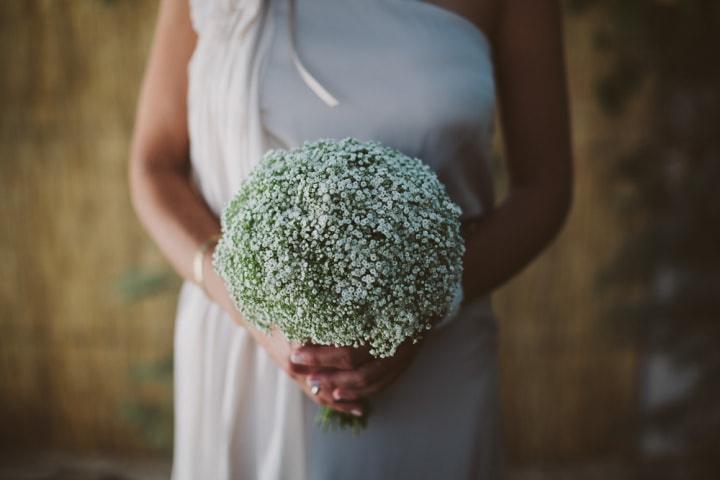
[(414, 76)]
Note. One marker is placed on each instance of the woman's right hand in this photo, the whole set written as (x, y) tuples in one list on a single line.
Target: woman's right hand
[(280, 349)]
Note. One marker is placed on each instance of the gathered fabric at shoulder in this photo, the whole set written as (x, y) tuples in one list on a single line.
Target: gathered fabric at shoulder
[(222, 16), (223, 95)]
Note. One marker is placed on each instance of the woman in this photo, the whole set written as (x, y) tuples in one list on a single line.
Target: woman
[(417, 75)]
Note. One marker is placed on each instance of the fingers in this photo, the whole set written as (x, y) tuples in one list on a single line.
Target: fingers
[(347, 375), (300, 369), (323, 395), (330, 356), (316, 355), (369, 378), (324, 398), (350, 385)]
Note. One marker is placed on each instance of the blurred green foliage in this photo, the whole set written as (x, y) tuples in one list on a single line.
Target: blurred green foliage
[(137, 283), (151, 415)]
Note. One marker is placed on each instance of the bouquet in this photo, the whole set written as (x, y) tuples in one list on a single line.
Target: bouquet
[(342, 242)]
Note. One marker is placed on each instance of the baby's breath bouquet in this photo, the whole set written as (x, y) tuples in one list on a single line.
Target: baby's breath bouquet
[(342, 242)]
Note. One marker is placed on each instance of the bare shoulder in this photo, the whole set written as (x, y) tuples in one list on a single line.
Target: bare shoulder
[(161, 118)]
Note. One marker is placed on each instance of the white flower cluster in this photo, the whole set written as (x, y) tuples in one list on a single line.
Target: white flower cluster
[(342, 242)]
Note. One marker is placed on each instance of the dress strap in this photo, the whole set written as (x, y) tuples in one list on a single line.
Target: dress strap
[(309, 80)]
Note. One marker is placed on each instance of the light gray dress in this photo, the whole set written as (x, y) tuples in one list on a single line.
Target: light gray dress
[(417, 77), (409, 74)]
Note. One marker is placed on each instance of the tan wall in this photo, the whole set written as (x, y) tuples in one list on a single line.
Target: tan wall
[(569, 384), (70, 72)]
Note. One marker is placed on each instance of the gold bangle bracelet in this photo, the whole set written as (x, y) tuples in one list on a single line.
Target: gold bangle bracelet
[(199, 260)]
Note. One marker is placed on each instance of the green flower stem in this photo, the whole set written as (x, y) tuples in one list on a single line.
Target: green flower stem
[(329, 419)]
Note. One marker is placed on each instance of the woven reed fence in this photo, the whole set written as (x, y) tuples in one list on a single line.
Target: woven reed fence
[(86, 308)]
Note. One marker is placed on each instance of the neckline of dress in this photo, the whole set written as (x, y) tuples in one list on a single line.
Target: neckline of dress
[(321, 91), (472, 26)]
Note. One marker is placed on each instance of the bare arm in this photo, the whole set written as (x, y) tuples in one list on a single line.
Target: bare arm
[(533, 109), (162, 193)]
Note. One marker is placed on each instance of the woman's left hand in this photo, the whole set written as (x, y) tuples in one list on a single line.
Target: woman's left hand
[(352, 373)]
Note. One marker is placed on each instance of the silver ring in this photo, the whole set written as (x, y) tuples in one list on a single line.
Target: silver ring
[(315, 389)]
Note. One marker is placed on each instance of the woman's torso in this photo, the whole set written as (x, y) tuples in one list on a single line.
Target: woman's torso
[(407, 73)]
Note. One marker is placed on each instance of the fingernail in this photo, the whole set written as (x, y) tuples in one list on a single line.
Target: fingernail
[(298, 358), (337, 395), (311, 381), (357, 412)]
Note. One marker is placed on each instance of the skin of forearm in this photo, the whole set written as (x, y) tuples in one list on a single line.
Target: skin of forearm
[(510, 237), (173, 213), (179, 222)]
